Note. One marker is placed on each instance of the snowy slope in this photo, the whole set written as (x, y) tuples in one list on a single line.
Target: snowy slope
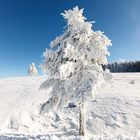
[(115, 112), (16, 96)]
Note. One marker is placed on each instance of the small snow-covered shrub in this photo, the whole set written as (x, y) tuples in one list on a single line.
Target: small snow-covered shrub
[(32, 71)]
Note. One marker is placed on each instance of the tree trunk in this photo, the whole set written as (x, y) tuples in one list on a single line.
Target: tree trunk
[(81, 120)]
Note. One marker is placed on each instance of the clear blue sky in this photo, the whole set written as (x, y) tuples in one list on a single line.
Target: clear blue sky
[(27, 27)]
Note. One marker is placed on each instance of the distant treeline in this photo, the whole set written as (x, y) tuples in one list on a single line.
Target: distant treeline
[(131, 66)]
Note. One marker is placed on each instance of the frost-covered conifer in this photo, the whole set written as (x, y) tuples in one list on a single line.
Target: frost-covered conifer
[(32, 71), (76, 56), (74, 61)]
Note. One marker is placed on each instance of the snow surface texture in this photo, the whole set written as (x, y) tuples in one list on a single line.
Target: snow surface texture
[(114, 113)]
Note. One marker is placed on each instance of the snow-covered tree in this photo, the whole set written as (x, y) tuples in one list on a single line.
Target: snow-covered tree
[(32, 71), (75, 59)]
